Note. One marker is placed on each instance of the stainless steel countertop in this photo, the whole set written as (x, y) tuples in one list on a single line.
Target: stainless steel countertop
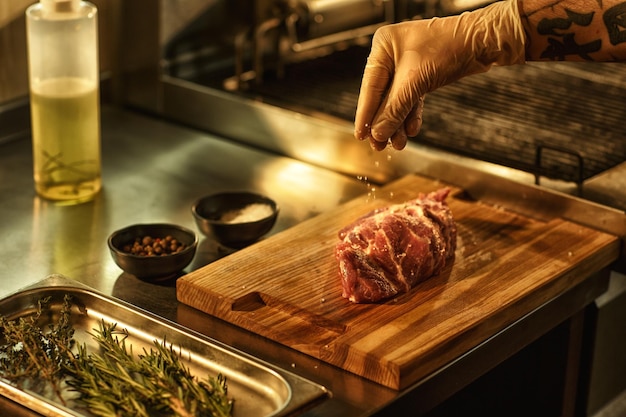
[(153, 171)]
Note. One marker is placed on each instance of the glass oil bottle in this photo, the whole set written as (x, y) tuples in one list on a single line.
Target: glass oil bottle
[(62, 40)]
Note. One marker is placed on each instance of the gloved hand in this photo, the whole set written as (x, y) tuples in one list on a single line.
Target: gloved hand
[(410, 59)]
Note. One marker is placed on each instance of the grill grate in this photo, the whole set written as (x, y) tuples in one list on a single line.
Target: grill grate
[(508, 114), (505, 116)]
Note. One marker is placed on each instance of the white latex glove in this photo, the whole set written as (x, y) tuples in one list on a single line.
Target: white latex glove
[(410, 59)]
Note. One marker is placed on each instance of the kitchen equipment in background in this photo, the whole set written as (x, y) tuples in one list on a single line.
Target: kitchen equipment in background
[(64, 92)]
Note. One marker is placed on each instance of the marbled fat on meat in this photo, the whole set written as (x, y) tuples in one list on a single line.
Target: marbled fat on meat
[(390, 250)]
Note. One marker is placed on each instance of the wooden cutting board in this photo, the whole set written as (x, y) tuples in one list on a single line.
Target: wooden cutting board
[(287, 287)]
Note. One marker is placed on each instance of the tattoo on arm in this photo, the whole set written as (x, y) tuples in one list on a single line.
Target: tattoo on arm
[(572, 29), (549, 26), (615, 22), (558, 28)]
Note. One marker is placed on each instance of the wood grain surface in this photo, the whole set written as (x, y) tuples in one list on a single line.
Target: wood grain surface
[(287, 287)]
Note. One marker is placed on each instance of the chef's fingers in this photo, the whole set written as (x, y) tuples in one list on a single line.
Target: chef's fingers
[(389, 118), (374, 84), (405, 95), (399, 139), (413, 122), (373, 87), (378, 145), (410, 127)]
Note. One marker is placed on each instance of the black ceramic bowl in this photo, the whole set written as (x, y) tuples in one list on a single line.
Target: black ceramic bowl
[(235, 219), (153, 267)]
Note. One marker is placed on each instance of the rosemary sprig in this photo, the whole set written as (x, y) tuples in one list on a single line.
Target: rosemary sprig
[(33, 357), (115, 383), (110, 382)]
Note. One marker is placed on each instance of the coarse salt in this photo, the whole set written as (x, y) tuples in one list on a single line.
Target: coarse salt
[(249, 213)]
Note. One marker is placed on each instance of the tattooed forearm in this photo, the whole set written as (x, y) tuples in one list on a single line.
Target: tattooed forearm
[(575, 30)]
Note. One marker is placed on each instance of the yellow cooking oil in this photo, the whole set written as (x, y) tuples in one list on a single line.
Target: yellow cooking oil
[(66, 139)]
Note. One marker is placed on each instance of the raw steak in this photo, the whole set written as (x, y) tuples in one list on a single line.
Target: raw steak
[(389, 250)]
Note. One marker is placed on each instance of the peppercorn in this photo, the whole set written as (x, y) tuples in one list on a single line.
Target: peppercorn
[(151, 246)]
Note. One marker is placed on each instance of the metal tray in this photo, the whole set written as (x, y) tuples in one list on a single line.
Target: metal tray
[(258, 388)]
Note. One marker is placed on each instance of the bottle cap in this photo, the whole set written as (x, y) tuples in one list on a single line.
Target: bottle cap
[(60, 6)]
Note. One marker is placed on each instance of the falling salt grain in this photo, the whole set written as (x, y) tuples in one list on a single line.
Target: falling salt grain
[(323, 300)]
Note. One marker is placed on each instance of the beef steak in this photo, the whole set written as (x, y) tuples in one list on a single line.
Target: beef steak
[(390, 250)]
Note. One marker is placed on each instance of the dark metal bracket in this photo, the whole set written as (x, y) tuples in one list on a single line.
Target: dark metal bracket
[(580, 166)]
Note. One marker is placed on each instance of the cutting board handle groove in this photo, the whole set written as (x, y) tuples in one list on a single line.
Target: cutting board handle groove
[(255, 302)]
